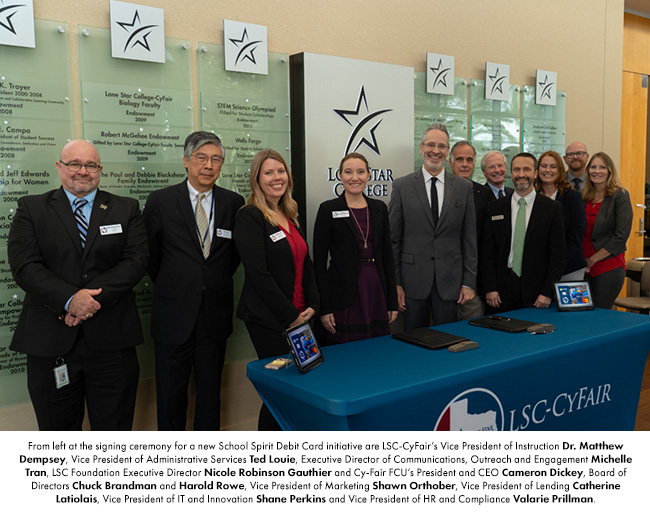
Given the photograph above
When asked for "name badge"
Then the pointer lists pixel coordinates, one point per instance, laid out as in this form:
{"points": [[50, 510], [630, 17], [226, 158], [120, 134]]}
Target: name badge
{"points": [[498, 217], [222, 232], [340, 214], [277, 236], [107, 230]]}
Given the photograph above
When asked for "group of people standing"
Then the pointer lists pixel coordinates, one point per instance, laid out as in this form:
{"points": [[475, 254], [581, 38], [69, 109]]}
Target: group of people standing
{"points": [[443, 249]]}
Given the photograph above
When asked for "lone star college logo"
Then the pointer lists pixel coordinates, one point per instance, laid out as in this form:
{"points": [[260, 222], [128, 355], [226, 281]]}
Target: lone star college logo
{"points": [[546, 87], [497, 82], [365, 127], [139, 35], [440, 75], [6, 13], [245, 51]]}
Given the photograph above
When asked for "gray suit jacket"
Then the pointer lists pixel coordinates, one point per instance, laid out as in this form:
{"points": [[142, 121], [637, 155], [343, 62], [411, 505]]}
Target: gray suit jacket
{"points": [[613, 223], [422, 253]]}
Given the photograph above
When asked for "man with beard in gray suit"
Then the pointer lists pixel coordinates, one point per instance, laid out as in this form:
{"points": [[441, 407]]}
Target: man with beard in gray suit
{"points": [[433, 233]]}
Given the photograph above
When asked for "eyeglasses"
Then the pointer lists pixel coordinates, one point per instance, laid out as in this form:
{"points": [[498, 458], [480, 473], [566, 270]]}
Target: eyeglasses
{"points": [[76, 166], [571, 155], [434, 146], [201, 158]]}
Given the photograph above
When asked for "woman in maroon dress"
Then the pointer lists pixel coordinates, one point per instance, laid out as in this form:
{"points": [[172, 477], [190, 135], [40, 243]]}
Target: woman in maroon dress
{"points": [[358, 296]]}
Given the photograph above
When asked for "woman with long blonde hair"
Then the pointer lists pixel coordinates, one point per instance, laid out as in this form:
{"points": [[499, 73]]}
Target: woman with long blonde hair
{"points": [[279, 286], [609, 221]]}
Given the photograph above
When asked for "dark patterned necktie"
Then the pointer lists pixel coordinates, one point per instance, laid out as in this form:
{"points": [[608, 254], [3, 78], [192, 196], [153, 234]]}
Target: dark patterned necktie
{"points": [[82, 222]]}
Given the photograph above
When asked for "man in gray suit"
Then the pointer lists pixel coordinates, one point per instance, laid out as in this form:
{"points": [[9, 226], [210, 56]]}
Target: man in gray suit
{"points": [[433, 232]]}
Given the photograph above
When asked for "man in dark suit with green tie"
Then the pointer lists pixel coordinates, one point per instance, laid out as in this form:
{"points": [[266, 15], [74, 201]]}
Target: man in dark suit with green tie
{"points": [[192, 262]]}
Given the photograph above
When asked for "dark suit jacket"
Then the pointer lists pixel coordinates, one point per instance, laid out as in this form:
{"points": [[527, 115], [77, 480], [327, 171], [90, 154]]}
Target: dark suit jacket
{"points": [[613, 223], [575, 224], [49, 264], [270, 273], [481, 199], [182, 277], [337, 237], [423, 253], [543, 259], [491, 195]]}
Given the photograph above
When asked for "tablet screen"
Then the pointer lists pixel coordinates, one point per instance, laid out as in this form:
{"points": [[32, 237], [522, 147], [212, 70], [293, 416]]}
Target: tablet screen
{"points": [[573, 296], [304, 347]]}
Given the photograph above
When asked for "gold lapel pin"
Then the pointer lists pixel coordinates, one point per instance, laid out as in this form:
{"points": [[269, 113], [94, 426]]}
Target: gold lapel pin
{"points": [[102, 206]]}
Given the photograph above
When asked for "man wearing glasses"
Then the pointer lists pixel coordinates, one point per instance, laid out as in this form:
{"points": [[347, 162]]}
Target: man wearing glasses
{"points": [[433, 232], [77, 252], [192, 262], [576, 158]]}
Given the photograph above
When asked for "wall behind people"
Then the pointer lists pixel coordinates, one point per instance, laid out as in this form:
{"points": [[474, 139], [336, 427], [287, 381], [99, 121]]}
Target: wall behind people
{"points": [[587, 54], [579, 39]]}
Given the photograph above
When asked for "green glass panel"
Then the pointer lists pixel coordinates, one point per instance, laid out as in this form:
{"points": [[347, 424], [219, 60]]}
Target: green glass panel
{"points": [[538, 132], [97, 65], [487, 128], [136, 105], [479, 105], [240, 153], [248, 112], [213, 77], [456, 124], [425, 102], [138, 145], [531, 110], [35, 109], [236, 112], [539, 149]]}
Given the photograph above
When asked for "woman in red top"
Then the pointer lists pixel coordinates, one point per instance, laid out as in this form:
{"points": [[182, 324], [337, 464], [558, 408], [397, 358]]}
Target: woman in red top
{"points": [[609, 221], [279, 286]]}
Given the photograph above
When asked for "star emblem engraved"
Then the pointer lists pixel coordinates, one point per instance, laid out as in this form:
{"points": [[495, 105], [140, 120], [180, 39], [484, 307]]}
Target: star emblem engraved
{"points": [[246, 48], [139, 34], [366, 125], [546, 88], [497, 82], [440, 75], [6, 13]]}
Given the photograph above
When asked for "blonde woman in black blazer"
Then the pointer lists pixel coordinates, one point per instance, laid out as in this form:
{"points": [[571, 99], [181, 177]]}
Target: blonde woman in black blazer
{"points": [[609, 222], [275, 256], [358, 296]]}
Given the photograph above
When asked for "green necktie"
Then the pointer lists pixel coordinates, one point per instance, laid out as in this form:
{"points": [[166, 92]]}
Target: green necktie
{"points": [[520, 236]]}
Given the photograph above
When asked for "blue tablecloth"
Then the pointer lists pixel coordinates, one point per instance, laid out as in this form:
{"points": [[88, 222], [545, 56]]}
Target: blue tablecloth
{"points": [[584, 376]]}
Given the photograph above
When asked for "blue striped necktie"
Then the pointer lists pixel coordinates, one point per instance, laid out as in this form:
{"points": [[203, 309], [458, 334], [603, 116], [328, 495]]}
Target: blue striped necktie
{"points": [[82, 223]]}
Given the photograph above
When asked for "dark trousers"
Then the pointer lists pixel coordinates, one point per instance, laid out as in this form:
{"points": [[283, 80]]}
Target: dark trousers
{"points": [[104, 382], [432, 310], [606, 287], [267, 343], [174, 364], [510, 293]]}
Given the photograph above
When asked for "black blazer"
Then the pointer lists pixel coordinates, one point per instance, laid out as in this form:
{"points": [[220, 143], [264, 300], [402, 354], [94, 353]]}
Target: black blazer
{"points": [[338, 238], [49, 264], [490, 193], [182, 277], [270, 273], [543, 259], [575, 224]]}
